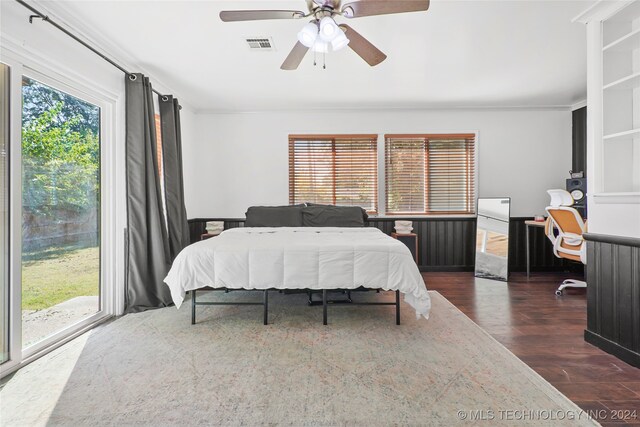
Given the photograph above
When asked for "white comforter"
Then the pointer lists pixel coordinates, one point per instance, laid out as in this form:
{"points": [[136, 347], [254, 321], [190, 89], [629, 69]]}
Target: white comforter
{"points": [[299, 258]]}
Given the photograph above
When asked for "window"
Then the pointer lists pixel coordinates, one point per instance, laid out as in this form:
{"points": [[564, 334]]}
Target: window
{"points": [[4, 213], [160, 160], [158, 124], [334, 169], [60, 210], [430, 174]]}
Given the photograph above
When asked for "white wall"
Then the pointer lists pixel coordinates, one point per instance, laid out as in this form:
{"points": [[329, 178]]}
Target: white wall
{"points": [[241, 159]]}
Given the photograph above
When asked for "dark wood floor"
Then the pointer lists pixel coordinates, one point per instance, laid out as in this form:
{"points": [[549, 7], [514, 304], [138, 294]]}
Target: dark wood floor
{"points": [[546, 332]]}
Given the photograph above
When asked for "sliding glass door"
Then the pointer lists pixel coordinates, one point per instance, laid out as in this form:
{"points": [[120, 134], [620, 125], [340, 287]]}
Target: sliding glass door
{"points": [[4, 213], [61, 264], [60, 210]]}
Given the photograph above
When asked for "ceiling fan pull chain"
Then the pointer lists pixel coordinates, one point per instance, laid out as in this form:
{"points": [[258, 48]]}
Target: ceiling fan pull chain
{"points": [[324, 61], [314, 58]]}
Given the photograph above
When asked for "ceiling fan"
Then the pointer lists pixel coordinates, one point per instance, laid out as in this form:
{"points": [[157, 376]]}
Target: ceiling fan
{"points": [[322, 33]]}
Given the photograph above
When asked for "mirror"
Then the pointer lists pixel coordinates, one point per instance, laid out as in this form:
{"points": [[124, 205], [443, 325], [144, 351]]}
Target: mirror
{"points": [[492, 238]]}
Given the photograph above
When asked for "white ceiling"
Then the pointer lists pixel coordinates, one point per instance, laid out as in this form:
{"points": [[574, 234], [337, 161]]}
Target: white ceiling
{"points": [[516, 53]]}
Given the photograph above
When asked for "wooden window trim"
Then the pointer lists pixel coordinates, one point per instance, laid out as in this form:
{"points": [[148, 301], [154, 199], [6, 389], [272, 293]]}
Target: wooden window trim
{"points": [[315, 137], [430, 136]]}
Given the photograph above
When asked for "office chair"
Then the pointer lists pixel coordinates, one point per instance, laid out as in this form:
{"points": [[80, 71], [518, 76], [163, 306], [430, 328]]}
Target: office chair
{"points": [[564, 227]]}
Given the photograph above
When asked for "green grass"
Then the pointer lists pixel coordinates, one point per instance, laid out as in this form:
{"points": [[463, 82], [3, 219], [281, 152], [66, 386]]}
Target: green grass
{"points": [[59, 276]]}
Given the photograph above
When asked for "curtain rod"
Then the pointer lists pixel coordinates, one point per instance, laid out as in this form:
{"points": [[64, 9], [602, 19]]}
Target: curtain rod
{"points": [[45, 18]]}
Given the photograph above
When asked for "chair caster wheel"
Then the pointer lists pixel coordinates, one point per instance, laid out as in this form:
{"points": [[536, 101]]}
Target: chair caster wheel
{"points": [[559, 293]]}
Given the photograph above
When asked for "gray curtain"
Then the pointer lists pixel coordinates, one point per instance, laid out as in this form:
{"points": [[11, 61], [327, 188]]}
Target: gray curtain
{"points": [[173, 181], [148, 252]]}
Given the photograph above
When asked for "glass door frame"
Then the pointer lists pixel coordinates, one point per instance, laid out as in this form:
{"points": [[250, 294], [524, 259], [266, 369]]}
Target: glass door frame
{"points": [[4, 289], [52, 75]]}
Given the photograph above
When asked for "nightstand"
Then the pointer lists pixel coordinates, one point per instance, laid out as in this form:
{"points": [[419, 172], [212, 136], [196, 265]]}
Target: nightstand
{"points": [[206, 236], [411, 240]]}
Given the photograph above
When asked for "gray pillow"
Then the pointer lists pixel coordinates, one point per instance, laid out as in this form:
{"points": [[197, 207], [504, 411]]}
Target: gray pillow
{"points": [[332, 216], [365, 215], [274, 216]]}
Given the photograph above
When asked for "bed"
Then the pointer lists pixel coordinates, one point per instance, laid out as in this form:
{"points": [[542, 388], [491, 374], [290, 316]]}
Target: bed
{"points": [[306, 258]]}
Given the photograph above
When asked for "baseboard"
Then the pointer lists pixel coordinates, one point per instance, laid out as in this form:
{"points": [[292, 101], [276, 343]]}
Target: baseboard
{"points": [[445, 268], [629, 356], [569, 269]]}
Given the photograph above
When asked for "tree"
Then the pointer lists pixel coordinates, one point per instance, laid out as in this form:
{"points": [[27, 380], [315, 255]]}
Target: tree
{"points": [[60, 151], [39, 98]]}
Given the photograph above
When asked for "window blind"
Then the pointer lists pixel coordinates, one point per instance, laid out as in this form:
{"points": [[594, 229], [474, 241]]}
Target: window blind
{"points": [[430, 174], [339, 170]]}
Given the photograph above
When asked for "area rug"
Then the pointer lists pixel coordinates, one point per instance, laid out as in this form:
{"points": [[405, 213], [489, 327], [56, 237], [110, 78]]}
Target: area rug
{"points": [[155, 368]]}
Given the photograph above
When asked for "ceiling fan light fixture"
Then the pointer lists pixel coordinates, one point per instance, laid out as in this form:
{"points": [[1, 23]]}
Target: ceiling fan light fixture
{"points": [[328, 29], [339, 42], [308, 34], [320, 46]]}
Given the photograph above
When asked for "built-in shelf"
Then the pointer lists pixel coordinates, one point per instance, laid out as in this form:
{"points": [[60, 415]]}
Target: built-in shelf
{"points": [[628, 42], [617, 198], [630, 12], [619, 194], [617, 105], [628, 82], [622, 135]]}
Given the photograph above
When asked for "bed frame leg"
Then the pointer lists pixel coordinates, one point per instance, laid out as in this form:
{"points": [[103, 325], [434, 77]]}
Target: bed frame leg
{"points": [[193, 307], [397, 307], [324, 306], [265, 303]]}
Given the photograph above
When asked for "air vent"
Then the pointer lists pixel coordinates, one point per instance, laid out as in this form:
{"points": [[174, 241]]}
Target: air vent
{"points": [[260, 43]]}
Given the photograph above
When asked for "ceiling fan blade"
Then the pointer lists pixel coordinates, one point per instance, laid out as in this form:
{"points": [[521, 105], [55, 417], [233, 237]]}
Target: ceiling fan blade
{"points": [[363, 47], [257, 15], [357, 9], [295, 57], [335, 4]]}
